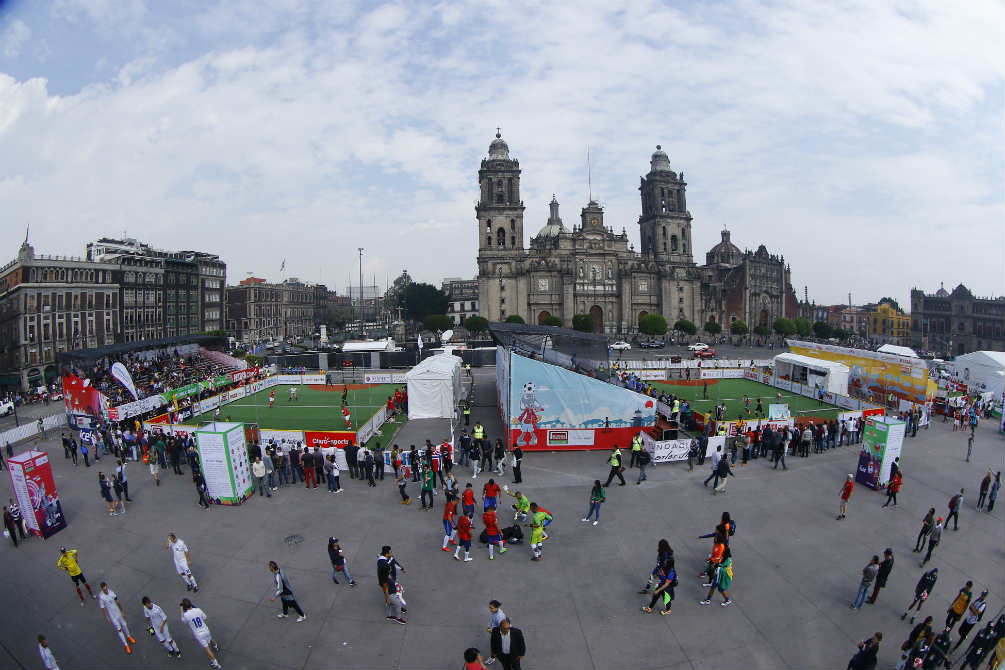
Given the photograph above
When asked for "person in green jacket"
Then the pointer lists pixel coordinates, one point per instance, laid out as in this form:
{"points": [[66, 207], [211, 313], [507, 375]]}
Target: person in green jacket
{"points": [[521, 507], [428, 483], [597, 497], [724, 579]]}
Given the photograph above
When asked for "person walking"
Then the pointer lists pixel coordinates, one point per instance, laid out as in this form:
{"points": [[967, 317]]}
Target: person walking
{"points": [[643, 459], [449, 527], [378, 462], [10, 526], [464, 529], [885, 568], [339, 562], [960, 604], [954, 510], [109, 604], [179, 552], [933, 540], [922, 590], [15, 512], [154, 465], [664, 576], [105, 490], [597, 498], [196, 620], [499, 453], [983, 643], [486, 453], [68, 562], [517, 459], [284, 593], [985, 487], [119, 489], [508, 645], [869, 573], [993, 493], [892, 488], [865, 657], [120, 473], [927, 524], [157, 626], [846, 491], [722, 579], [616, 468], [48, 659], [428, 483], [716, 457], [200, 487], [636, 449], [368, 465], [975, 612], [258, 470], [492, 533], [723, 470], [401, 479], [389, 586], [538, 517]]}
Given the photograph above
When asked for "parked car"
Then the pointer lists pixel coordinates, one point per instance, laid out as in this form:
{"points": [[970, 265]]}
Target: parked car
{"points": [[707, 352], [621, 345], [653, 344], [697, 346], [6, 407]]}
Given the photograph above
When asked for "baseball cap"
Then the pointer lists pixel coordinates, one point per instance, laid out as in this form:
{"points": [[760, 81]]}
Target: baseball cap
{"points": [[940, 520]]}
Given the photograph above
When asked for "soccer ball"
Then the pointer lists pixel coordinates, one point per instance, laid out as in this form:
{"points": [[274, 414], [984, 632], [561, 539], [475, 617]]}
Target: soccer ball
{"points": [[528, 387]]}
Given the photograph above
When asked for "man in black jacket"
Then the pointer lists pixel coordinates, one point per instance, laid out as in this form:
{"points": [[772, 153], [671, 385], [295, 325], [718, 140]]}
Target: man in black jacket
{"points": [[507, 645], [350, 458], [885, 568]]}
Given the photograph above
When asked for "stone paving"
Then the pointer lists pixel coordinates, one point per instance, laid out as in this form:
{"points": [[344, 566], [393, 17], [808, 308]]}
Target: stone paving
{"points": [[796, 568]]}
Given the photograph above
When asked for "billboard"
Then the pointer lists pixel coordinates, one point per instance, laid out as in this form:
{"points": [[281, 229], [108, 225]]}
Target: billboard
{"points": [[329, 438], [35, 492], [224, 459], [550, 407], [882, 440]]}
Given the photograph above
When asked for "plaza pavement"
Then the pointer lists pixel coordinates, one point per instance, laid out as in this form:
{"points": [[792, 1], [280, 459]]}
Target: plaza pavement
{"points": [[796, 568]]}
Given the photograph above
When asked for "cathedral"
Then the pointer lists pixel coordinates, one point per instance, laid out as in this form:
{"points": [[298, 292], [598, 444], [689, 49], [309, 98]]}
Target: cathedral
{"points": [[592, 270]]}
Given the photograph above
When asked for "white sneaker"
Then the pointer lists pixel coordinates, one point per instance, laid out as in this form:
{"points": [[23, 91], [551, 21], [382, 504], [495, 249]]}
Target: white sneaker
{"points": [[281, 616], [595, 523], [468, 559], [584, 520], [301, 618]]}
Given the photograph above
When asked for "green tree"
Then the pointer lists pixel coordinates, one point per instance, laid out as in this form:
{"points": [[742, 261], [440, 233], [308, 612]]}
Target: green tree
{"points": [[784, 326], [841, 334], [476, 324], [421, 300], [685, 326], [394, 297], [803, 326], [338, 316], [515, 318], [823, 330], [653, 324], [762, 331], [891, 302], [712, 327], [739, 327], [437, 322], [551, 321], [583, 323]]}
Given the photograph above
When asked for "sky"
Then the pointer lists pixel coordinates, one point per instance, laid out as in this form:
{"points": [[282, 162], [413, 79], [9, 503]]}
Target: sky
{"points": [[861, 140]]}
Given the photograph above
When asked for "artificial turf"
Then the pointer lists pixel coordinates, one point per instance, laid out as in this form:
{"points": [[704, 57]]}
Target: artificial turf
{"points": [[732, 391], [314, 409]]}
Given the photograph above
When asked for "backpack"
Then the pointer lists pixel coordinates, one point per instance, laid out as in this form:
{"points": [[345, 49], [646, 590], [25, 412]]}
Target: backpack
{"points": [[732, 528]]}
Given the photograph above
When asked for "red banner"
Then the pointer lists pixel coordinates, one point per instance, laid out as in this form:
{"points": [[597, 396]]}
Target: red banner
{"points": [[329, 438], [81, 397], [242, 375]]}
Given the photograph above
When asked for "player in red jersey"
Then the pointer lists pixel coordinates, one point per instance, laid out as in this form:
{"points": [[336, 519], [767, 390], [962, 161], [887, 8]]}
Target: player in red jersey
{"points": [[272, 397], [490, 495], [463, 539], [345, 415], [492, 530], [448, 520], [468, 501]]}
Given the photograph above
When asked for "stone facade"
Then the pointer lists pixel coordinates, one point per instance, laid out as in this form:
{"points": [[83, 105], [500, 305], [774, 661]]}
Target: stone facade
{"points": [[956, 323], [593, 270]]}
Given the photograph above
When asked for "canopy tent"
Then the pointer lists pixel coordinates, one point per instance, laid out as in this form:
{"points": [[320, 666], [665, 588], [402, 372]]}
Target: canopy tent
{"points": [[981, 371], [434, 387], [897, 350], [832, 377]]}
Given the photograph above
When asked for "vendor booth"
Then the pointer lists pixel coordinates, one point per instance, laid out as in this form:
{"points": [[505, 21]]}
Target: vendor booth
{"points": [[434, 387], [827, 375]]}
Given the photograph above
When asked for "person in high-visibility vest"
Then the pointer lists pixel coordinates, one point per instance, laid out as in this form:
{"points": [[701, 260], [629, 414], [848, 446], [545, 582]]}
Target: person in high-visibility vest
{"points": [[636, 450], [466, 410], [479, 433]]}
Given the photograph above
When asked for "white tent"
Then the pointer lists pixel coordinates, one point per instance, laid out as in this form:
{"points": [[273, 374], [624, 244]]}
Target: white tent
{"points": [[897, 350], [434, 387], [832, 377], [981, 371]]}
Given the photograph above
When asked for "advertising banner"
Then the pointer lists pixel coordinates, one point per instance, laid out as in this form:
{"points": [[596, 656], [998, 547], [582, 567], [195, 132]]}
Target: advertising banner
{"points": [[778, 411], [295, 380], [384, 378], [545, 398], [502, 383], [224, 459], [264, 435], [666, 451], [714, 442], [651, 375], [367, 430], [35, 492], [82, 398], [570, 438], [882, 440], [329, 438], [135, 408], [727, 373], [242, 375]]}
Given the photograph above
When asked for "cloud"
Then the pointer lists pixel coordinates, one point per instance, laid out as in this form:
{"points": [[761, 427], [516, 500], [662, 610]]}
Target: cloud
{"points": [[14, 36], [305, 130]]}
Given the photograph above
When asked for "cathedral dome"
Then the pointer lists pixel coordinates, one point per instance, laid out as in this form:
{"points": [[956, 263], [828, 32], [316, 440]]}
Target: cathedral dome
{"points": [[554, 225], [942, 292], [499, 150], [724, 253], [659, 162]]}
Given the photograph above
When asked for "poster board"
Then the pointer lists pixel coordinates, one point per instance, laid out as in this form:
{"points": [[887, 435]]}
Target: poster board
{"points": [[35, 492], [882, 442], [224, 460]]}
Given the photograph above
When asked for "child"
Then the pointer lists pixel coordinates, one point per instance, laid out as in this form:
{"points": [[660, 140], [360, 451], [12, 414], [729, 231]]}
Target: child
{"points": [[473, 659]]}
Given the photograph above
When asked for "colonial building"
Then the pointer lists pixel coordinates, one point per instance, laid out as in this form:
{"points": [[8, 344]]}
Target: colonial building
{"points": [[463, 298], [956, 323], [889, 325], [593, 270], [258, 311]]}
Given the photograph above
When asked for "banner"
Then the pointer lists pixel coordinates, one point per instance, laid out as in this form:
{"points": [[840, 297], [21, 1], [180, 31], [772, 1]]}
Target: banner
{"points": [[544, 398], [651, 375], [384, 378], [119, 371], [135, 408], [666, 451], [242, 375], [80, 397], [367, 430], [265, 434], [722, 374], [882, 440], [35, 492], [329, 438], [778, 411], [224, 458], [715, 441], [295, 380]]}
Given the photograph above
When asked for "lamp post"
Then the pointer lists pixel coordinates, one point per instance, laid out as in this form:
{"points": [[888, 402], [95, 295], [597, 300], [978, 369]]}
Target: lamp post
{"points": [[360, 291]]}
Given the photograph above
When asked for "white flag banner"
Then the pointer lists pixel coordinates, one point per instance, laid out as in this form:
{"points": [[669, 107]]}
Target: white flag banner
{"points": [[420, 343], [120, 372]]}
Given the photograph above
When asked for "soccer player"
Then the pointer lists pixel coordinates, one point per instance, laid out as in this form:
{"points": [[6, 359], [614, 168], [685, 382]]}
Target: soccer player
{"points": [[68, 561], [449, 527], [468, 501], [345, 415], [490, 495], [196, 620], [548, 518], [463, 538], [109, 602], [492, 531], [272, 397], [521, 507], [293, 393], [179, 550], [157, 626], [345, 394], [47, 658], [537, 531]]}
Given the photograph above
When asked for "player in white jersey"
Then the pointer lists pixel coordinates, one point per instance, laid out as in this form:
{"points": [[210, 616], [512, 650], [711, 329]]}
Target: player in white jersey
{"points": [[47, 658], [179, 550], [196, 620], [157, 626], [293, 393], [109, 604]]}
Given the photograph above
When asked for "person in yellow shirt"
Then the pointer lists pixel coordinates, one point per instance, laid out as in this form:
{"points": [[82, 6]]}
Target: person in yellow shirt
{"points": [[68, 561]]}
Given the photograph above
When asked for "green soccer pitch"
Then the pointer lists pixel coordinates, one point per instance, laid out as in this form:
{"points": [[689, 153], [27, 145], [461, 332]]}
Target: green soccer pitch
{"points": [[314, 409], [732, 391]]}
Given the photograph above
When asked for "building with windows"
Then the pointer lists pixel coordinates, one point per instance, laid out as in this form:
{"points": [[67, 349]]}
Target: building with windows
{"points": [[593, 270], [889, 325], [463, 298], [956, 323], [259, 312]]}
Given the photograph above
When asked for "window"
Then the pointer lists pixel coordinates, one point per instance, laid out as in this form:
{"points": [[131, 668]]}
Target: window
{"points": [[501, 237], [512, 240], [512, 224], [673, 243]]}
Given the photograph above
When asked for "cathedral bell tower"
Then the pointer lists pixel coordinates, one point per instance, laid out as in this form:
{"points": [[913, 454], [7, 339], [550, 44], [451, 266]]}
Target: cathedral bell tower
{"points": [[665, 224]]}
